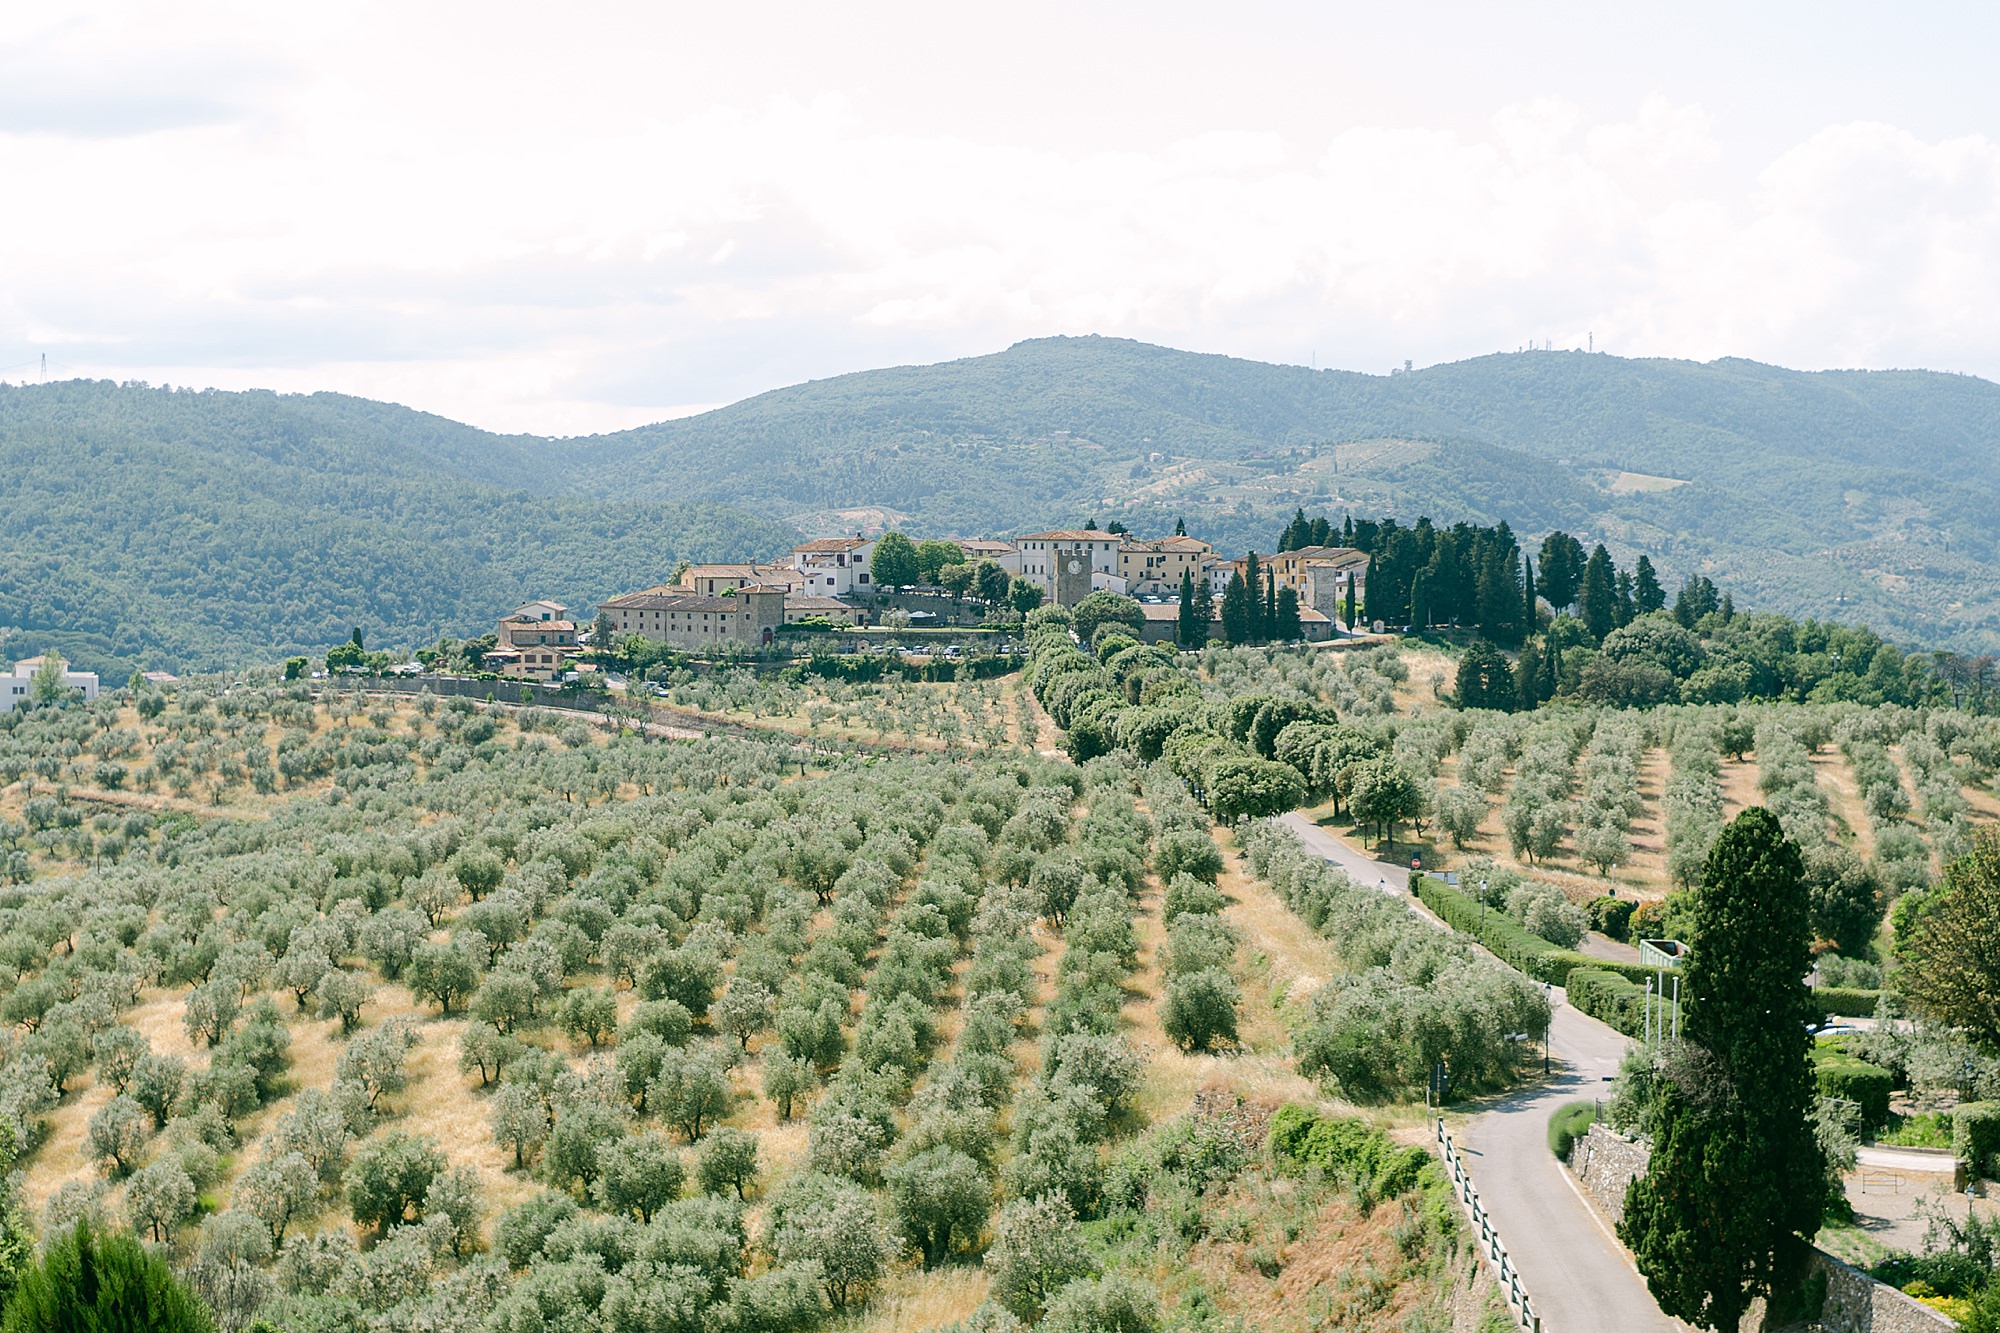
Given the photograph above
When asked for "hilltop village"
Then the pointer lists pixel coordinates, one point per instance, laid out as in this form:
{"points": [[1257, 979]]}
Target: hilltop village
{"points": [[1178, 583]]}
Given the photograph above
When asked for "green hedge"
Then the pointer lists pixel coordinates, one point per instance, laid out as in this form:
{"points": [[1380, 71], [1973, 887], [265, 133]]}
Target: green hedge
{"points": [[1609, 998], [1842, 1075], [1975, 1135], [1847, 1001], [1513, 943]]}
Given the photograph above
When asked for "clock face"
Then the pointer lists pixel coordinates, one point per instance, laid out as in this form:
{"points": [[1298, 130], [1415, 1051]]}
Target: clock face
{"points": [[1076, 567]]}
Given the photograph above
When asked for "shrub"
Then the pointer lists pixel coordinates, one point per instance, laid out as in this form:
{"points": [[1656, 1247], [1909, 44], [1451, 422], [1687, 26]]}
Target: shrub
{"points": [[91, 1281], [1348, 1150], [1186, 852], [1568, 1124], [1850, 1079], [1612, 917], [1975, 1135]]}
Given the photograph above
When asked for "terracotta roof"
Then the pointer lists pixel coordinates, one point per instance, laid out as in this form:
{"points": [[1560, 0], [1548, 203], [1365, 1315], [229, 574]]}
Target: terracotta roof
{"points": [[982, 544], [829, 545], [720, 572], [1194, 544], [671, 599], [553, 626], [798, 602], [1073, 535], [1332, 555]]}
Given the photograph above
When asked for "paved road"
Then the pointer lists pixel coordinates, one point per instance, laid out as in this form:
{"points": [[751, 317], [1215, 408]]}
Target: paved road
{"points": [[1576, 1273]]}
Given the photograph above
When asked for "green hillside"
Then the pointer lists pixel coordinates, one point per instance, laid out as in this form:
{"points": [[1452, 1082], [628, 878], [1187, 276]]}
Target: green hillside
{"points": [[187, 530], [1856, 494], [182, 530]]}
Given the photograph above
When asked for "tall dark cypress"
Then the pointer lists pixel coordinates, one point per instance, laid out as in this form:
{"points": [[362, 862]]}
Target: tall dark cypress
{"points": [[1533, 616], [1736, 1184], [1184, 629]]}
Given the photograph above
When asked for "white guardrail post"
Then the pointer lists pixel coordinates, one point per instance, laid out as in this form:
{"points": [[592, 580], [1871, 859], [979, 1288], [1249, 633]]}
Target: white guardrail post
{"points": [[1490, 1244]]}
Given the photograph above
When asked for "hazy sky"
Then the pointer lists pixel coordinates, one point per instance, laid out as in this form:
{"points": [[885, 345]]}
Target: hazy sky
{"points": [[569, 218]]}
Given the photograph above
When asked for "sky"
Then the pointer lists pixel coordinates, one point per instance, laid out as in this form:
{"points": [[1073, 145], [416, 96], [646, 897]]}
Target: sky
{"points": [[571, 219]]}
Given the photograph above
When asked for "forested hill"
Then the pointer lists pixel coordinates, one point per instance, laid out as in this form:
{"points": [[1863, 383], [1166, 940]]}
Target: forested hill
{"points": [[143, 527], [181, 530], [1864, 495]]}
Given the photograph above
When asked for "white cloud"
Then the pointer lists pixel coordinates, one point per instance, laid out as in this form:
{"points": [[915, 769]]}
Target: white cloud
{"points": [[577, 230]]}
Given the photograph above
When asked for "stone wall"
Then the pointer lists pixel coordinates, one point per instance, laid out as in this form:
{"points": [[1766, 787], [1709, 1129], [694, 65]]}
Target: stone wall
{"points": [[1604, 1163]]}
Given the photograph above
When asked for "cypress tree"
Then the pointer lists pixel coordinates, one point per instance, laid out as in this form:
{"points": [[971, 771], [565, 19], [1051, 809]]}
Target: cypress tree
{"points": [[1420, 611], [1184, 629], [1484, 680], [1622, 600], [1238, 613], [1734, 1190], [1204, 609], [1253, 606], [1534, 616], [1180, 527], [1647, 594], [1597, 598], [1350, 600], [1322, 532], [1285, 624], [1269, 628], [1528, 677]]}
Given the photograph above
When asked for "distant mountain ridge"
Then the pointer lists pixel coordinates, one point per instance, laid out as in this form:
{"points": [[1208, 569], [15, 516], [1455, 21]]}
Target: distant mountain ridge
{"points": [[201, 529]]}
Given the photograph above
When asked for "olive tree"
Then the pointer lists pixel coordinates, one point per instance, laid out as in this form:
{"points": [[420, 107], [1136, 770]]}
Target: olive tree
{"points": [[941, 1197]]}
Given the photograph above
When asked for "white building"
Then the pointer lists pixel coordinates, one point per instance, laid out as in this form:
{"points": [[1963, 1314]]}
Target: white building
{"points": [[1004, 554], [19, 688], [1066, 563], [834, 566]]}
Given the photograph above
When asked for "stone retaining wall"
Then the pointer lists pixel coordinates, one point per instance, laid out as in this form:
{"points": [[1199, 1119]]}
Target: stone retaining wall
{"points": [[1604, 1163]]}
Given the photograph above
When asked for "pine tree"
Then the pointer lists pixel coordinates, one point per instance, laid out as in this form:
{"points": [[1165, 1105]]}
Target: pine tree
{"points": [[1185, 630], [1622, 606], [1734, 1189], [1647, 594], [1562, 566], [1322, 532]]}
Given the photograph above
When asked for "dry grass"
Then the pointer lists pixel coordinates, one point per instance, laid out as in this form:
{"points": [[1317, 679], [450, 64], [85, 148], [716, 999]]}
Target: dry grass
{"points": [[913, 1300], [1739, 785], [1850, 818]]}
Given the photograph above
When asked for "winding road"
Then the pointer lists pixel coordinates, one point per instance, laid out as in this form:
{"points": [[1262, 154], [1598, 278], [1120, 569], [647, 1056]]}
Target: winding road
{"points": [[1578, 1276]]}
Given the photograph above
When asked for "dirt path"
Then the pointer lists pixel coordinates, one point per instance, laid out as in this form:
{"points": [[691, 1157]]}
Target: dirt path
{"points": [[1739, 786], [1851, 824], [1648, 866]]}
